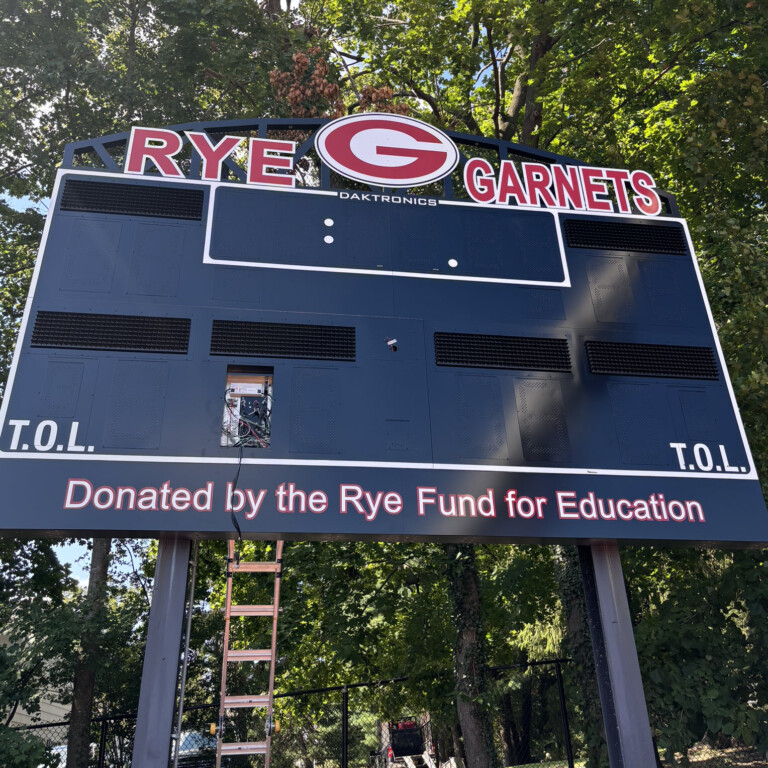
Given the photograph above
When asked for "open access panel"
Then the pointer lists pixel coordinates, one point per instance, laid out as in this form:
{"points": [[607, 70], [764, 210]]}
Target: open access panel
{"points": [[377, 363]]}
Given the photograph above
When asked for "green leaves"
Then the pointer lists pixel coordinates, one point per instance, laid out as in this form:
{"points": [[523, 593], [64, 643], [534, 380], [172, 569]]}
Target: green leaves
{"points": [[699, 643], [19, 237], [679, 91], [37, 625], [20, 750]]}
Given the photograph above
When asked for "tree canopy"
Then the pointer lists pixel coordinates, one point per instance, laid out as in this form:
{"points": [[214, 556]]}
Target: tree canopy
{"points": [[676, 89]]}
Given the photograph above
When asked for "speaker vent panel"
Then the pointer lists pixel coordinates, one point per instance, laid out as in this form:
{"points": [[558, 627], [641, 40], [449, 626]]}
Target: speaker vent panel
{"points": [[658, 360], [473, 350], [132, 199], [624, 236], [310, 342], [131, 333]]}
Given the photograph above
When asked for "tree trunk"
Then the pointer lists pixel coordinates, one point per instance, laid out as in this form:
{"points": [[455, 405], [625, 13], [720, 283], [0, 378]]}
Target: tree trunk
{"points": [[540, 46], [458, 745], [526, 721], [508, 124], [568, 574], [469, 657], [79, 737], [506, 730]]}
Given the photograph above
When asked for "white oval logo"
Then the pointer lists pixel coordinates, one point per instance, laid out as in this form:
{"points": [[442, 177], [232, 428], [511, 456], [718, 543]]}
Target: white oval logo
{"points": [[386, 150]]}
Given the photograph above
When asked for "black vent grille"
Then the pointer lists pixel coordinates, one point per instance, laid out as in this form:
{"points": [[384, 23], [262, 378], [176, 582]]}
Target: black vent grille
{"points": [[660, 360], [620, 236], [132, 199], [474, 350], [131, 333], [313, 342]]}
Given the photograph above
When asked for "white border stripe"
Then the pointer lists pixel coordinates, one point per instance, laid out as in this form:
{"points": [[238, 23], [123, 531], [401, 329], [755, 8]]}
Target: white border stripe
{"points": [[373, 465], [208, 259], [750, 475]]}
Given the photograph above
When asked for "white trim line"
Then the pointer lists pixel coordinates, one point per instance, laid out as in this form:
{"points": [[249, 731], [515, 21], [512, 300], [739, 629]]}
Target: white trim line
{"points": [[208, 259], [373, 465]]}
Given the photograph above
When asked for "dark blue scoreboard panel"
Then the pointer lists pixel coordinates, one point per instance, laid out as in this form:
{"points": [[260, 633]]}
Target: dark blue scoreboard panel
{"points": [[323, 230], [378, 366]]}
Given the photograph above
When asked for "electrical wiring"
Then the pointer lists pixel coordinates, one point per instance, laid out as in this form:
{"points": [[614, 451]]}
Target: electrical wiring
{"points": [[249, 430]]}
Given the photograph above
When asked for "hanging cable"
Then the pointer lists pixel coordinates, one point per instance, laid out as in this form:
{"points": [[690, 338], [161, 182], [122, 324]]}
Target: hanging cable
{"points": [[232, 505]]}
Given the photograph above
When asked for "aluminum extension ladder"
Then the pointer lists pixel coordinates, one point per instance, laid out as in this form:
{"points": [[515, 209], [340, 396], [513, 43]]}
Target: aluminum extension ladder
{"points": [[232, 656]]}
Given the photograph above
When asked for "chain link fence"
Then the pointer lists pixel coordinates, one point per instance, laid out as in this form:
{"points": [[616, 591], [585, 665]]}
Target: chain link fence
{"points": [[707, 754], [366, 725]]}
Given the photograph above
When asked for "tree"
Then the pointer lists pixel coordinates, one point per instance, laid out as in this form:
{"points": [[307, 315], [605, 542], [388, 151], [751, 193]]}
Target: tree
{"points": [[698, 643], [370, 611], [470, 662], [677, 90], [20, 234], [37, 628], [71, 69], [89, 657]]}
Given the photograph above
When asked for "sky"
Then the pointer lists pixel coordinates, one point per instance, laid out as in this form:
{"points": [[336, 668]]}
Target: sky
{"points": [[77, 557], [22, 203]]}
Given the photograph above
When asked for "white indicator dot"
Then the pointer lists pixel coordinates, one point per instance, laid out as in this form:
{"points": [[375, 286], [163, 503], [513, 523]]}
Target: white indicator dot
{"points": [[690, 466], [59, 447], [718, 468], [743, 469], [453, 263], [328, 222], [90, 449], [25, 447], [328, 239]]}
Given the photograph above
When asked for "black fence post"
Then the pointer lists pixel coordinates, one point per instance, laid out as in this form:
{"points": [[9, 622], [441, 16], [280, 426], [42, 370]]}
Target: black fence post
{"points": [[344, 725], [564, 715], [103, 744]]}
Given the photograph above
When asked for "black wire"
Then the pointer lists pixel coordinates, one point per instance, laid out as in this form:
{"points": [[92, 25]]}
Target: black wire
{"points": [[232, 503], [266, 428]]}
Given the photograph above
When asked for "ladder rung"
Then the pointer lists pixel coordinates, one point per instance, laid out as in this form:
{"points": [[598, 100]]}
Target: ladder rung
{"points": [[232, 702], [245, 748], [252, 610], [256, 567], [249, 655]]}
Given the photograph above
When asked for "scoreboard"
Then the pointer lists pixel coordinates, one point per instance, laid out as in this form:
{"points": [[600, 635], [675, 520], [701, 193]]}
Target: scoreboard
{"points": [[333, 356]]}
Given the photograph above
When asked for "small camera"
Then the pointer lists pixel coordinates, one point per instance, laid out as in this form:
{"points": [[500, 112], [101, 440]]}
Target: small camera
{"points": [[392, 344]]}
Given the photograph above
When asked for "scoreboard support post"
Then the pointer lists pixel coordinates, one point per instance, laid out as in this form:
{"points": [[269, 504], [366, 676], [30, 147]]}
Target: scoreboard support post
{"points": [[625, 715], [157, 698]]}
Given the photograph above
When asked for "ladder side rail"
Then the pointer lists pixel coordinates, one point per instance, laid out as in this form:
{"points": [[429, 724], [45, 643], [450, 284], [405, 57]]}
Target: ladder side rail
{"points": [[271, 705]]}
